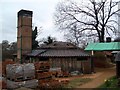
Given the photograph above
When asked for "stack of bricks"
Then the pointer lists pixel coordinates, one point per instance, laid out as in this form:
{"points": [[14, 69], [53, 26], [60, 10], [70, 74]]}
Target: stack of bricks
{"points": [[42, 70], [21, 75], [3, 64], [3, 84], [44, 76]]}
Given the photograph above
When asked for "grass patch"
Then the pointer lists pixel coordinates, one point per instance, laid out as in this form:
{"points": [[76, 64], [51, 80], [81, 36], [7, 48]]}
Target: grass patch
{"points": [[77, 82], [110, 83]]}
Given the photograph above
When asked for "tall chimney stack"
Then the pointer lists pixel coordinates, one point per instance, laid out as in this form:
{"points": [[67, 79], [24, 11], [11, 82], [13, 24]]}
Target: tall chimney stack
{"points": [[24, 33]]}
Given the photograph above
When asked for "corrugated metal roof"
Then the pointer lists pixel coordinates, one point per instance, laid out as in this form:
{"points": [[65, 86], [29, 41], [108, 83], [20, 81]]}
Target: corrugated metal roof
{"points": [[36, 52], [103, 46], [64, 53], [59, 49]]}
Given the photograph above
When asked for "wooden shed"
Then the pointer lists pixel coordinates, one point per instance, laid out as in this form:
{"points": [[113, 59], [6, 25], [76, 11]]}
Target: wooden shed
{"points": [[64, 55]]}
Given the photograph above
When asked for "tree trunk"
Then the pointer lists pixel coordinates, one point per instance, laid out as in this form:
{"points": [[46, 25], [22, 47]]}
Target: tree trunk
{"points": [[102, 34]]}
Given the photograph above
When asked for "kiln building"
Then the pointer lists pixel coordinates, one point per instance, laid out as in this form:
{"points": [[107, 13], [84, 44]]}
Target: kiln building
{"points": [[60, 54]]}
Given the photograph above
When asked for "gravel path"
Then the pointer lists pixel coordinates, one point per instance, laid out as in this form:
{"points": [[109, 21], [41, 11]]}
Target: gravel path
{"points": [[98, 77]]}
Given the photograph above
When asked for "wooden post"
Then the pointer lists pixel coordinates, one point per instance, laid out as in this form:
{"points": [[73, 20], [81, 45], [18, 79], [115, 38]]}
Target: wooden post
{"points": [[117, 59], [118, 69], [92, 63]]}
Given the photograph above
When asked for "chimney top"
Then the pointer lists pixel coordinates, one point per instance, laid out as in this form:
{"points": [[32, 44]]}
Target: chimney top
{"points": [[25, 13]]}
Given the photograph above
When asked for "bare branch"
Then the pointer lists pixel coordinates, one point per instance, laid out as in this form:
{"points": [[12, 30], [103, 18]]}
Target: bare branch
{"points": [[97, 17]]}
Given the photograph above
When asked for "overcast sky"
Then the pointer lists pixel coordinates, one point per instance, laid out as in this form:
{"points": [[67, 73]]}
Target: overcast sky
{"points": [[42, 17], [43, 12]]}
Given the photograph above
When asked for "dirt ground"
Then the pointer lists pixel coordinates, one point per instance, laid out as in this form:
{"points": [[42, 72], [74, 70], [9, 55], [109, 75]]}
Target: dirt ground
{"points": [[98, 77]]}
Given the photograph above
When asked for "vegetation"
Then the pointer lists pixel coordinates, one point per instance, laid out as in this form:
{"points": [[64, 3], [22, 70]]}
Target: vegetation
{"points": [[49, 40], [77, 82], [110, 83], [8, 49], [34, 36]]}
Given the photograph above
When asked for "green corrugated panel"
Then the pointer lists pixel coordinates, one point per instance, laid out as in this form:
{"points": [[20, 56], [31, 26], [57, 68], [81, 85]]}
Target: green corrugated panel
{"points": [[109, 46], [117, 45], [99, 46], [103, 46], [91, 46]]}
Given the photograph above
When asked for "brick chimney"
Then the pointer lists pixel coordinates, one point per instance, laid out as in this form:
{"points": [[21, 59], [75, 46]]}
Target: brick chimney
{"points": [[24, 33]]}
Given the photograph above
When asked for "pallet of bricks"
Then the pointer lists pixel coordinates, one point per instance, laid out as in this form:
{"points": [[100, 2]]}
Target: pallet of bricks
{"points": [[3, 64], [3, 84], [44, 76], [21, 75]]}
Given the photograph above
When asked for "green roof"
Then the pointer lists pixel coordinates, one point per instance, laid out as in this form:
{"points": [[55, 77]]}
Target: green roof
{"points": [[103, 46]]}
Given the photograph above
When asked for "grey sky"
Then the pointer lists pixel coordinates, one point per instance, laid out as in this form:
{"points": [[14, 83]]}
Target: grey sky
{"points": [[42, 17]]}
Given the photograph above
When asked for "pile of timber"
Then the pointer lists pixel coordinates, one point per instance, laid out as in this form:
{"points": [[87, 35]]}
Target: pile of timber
{"points": [[21, 75]]}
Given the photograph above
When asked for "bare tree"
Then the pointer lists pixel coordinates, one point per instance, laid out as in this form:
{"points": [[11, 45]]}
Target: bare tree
{"points": [[97, 18], [74, 36]]}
